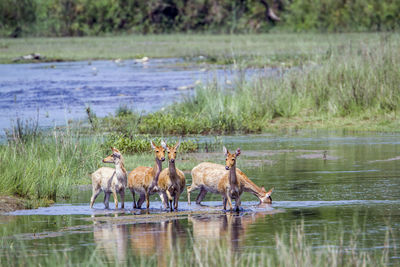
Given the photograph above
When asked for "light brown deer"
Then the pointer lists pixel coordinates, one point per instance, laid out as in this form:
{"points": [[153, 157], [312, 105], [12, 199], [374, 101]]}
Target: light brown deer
{"points": [[110, 180], [211, 177], [143, 180], [172, 181]]}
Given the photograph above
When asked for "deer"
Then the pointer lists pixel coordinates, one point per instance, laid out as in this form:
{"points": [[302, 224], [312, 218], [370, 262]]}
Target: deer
{"points": [[172, 181], [144, 180], [110, 180], [212, 177]]}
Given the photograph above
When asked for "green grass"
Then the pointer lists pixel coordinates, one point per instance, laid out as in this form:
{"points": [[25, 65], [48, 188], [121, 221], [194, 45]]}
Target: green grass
{"points": [[45, 168], [41, 167], [252, 49], [292, 248], [354, 87]]}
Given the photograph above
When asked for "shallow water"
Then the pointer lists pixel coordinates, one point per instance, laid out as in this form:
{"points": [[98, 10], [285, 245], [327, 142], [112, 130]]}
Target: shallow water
{"points": [[62, 91], [353, 191]]}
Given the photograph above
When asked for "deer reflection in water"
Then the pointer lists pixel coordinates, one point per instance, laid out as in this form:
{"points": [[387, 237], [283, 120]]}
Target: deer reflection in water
{"points": [[162, 240], [145, 239], [112, 240], [228, 229]]}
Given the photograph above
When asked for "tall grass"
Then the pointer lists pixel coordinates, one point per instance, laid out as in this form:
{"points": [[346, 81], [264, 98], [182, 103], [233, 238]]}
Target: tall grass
{"points": [[46, 166], [41, 166], [355, 80]]}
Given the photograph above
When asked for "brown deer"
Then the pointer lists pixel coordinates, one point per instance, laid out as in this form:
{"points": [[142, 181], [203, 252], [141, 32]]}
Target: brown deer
{"points": [[110, 180], [211, 177], [172, 181], [143, 180]]}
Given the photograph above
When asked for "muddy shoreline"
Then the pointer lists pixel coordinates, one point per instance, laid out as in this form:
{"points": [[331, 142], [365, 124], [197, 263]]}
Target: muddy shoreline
{"points": [[11, 203]]}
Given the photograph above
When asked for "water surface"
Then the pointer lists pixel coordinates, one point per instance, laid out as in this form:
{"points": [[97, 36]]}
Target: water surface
{"points": [[336, 184], [62, 91]]}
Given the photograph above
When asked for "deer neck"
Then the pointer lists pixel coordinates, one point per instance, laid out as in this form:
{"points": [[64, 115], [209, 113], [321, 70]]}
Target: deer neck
{"points": [[120, 172], [252, 188], [172, 171], [232, 176], [157, 170]]}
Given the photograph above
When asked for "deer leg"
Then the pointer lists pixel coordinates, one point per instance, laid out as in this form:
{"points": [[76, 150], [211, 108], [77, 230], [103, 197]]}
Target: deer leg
{"points": [[147, 200], [96, 192], [237, 203], [201, 196], [164, 200], [115, 199], [224, 199], [176, 199], [229, 201], [106, 199], [170, 199], [122, 194], [140, 201], [133, 196], [188, 189]]}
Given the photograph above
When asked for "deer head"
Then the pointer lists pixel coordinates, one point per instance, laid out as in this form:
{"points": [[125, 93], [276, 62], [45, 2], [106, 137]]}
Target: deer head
{"points": [[230, 160], [159, 150], [172, 151], [115, 157], [266, 198]]}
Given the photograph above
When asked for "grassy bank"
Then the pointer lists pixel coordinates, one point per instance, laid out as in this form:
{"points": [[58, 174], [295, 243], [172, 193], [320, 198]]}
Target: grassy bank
{"points": [[40, 166], [291, 248], [354, 87], [258, 50], [43, 169]]}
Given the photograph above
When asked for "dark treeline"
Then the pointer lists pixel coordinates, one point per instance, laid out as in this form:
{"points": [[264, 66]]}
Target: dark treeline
{"points": [[94, 17]]}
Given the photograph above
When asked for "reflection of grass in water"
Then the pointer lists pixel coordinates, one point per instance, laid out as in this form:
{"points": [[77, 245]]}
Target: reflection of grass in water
{"points": [[288, 249]]}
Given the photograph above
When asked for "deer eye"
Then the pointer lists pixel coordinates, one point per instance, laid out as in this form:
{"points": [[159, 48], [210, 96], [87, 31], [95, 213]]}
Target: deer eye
{"points": [[233, 159], [157, 151]]}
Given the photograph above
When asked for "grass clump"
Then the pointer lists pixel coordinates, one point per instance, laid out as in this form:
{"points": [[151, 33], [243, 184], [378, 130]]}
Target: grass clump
{"points": [[43, 168], [140, 144]]}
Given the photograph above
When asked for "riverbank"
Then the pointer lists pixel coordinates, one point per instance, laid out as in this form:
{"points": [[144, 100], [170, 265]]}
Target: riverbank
{"points": [[345, 81], [245, 49]]}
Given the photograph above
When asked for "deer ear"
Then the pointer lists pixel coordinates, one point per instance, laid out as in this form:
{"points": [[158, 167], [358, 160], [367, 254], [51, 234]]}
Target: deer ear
{"points": [[225, 151], [164, 144], [263, 189], [270, 191], [153, 146], [238, 152]]}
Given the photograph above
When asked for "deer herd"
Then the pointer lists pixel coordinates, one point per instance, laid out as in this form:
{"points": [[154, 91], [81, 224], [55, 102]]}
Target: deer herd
{"points": [[169, 183]]}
